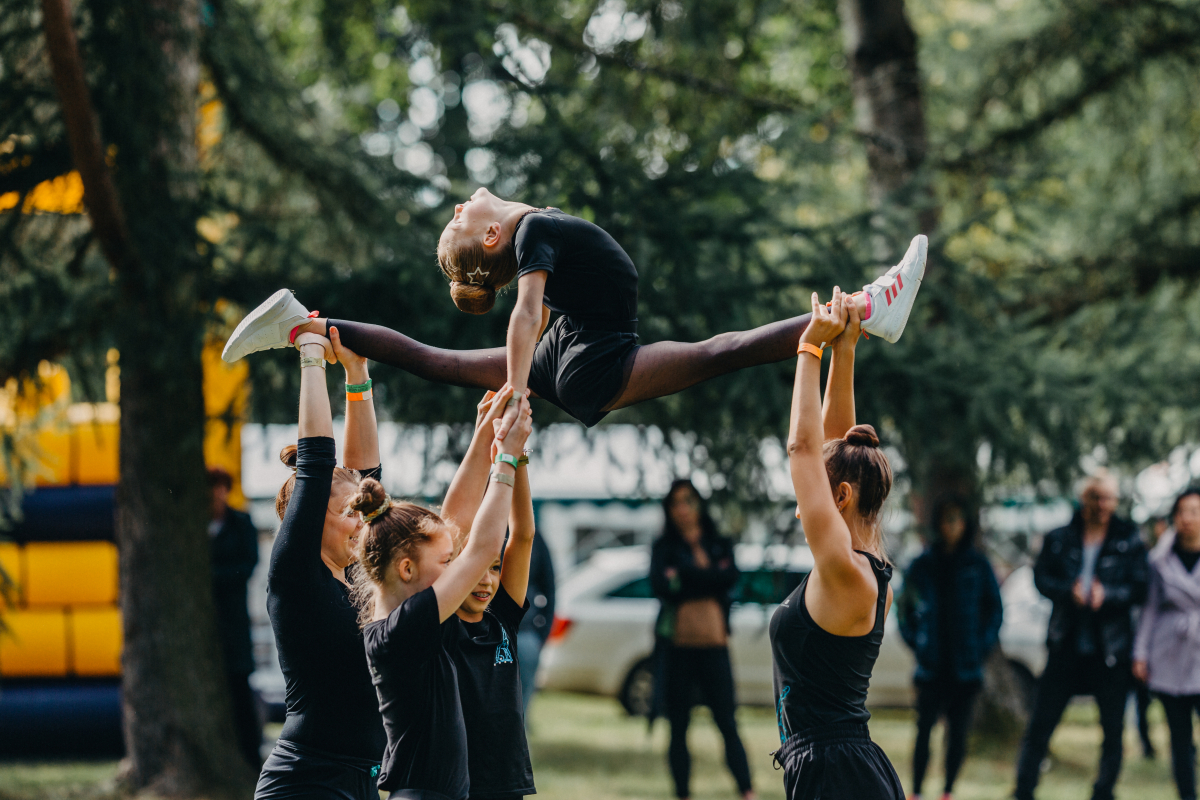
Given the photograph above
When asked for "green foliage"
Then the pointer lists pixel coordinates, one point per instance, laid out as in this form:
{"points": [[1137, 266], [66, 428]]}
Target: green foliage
{"points": [[715, 141]]}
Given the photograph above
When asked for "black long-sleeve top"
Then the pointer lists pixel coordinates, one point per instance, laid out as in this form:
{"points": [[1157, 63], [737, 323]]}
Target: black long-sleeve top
{"points": [[331, 702], [690, 581]]}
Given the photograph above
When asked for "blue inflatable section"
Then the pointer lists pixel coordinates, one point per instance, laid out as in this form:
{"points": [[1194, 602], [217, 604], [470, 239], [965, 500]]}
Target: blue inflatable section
{"points": [[61, 718], [65, 514]]}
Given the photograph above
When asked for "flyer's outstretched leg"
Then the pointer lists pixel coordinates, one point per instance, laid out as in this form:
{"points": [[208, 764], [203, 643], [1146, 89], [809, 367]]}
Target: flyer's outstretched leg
{"points": [[277, 321], [664, 368]]}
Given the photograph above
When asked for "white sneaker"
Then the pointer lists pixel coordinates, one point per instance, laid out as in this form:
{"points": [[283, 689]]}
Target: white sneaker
{"points": [[893, 293], [266, 327]]}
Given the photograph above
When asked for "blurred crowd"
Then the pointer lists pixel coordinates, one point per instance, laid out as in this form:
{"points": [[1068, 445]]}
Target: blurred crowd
{"points": [[1125, 622]]}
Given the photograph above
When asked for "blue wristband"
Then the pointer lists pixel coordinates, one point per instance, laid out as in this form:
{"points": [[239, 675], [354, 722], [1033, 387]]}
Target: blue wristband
{"points": [[505, 458]]}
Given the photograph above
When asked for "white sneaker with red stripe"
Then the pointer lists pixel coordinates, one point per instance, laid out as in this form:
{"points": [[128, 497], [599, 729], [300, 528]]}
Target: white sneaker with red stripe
{"points": [[268, 327], [890, 297]]}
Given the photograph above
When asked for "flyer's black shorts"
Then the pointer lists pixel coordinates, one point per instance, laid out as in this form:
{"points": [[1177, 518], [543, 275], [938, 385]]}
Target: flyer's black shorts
{"points": [[837, 762], [295, 771], [579, 366]]}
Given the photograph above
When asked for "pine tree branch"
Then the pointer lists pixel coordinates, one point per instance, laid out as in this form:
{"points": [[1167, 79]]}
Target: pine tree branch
{"points": [[1171, 32], [83, 132], [260, 102], [760, 98]]}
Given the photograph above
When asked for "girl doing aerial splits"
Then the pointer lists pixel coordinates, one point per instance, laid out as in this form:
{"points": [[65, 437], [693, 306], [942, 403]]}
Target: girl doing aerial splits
{"points": [[825, 636], [589, 362]]}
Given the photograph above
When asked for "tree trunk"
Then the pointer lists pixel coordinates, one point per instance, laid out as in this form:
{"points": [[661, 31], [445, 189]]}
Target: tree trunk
{"points": [[881, 48], [178, 727]]}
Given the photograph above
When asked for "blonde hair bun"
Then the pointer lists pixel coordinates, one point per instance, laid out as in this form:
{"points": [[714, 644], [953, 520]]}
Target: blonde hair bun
{"points": [[369, 498], [472, 298]]}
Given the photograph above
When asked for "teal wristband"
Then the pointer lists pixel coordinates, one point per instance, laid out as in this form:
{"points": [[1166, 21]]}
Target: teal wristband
{"points": [[358, 387], [505, 458]]}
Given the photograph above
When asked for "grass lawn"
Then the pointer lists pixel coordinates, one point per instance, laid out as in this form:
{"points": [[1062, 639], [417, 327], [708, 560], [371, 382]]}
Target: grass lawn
{"points": [[585, 747]]}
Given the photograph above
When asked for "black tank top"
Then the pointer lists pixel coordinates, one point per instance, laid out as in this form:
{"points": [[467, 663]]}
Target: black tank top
{"points": [[822, 679]]}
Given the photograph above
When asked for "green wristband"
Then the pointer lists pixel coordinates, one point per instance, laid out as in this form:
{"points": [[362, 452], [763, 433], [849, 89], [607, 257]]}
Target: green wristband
{"points": [[505, 458], [358, 387]]}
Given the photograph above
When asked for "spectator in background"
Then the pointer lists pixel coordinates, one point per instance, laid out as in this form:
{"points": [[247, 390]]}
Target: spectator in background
{"points": [[949, 612], [535, 627], [692, 572], [1095, 571], [1167, 650], [233, 551]]}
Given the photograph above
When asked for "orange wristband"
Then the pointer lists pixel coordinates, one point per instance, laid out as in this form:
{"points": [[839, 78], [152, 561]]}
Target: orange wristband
{"points": [[805, 347]]}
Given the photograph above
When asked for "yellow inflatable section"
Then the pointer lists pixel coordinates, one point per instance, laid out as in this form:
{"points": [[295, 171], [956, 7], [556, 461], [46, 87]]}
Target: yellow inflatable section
{"points": [[61, 612]]}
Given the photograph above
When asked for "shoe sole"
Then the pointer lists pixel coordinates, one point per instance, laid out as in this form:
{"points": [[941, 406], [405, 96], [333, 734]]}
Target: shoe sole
{"points": [[908, 272], [241, 343]]}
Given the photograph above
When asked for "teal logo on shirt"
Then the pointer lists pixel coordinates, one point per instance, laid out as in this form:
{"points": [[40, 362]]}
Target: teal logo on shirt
{"points": [[779, 712], [503, 651]]}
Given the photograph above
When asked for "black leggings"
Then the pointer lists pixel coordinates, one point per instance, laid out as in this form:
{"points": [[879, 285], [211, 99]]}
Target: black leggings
{"points": [[956, 701], [653, 370], [706, 672], [1179, 710]]}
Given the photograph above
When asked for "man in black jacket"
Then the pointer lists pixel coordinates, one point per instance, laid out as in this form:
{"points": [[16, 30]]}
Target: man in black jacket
{"points": [[1095, 571], [233, 549]]}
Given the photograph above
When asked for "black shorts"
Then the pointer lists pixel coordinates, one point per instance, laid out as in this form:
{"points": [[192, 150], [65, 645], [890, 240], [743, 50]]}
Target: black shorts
{"points": [[837, 762], [580, 366], [294, 771]]}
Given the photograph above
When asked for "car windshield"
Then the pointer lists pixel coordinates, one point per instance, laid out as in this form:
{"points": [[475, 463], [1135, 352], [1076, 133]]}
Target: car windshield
{"points": [[763, 586]]}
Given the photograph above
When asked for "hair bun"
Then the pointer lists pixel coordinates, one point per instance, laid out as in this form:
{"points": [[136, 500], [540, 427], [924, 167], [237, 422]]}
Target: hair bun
{"points": [[288, 456], [370, 496], [473, 298], [863, 436]]}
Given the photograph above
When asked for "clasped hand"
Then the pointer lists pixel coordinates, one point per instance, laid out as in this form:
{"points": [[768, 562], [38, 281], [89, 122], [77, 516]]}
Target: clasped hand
{"points": [[839, 323], [494, 410]]}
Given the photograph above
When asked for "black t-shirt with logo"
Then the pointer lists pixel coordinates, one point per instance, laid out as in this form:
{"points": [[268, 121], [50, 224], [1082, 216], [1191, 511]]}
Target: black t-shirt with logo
{"points": [[489, 684], [414, 675], [590, 275]]}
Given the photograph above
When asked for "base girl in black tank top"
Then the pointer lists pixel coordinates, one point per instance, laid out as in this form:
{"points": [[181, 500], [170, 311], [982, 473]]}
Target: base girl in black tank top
{"points": [[825, 636]]}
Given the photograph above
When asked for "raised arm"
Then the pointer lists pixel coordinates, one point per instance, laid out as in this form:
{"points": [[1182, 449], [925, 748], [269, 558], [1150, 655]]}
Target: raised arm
{"points": [[487, 534], [296, 554], [524, 327], [316, 417], [514, 575], [838, 593], [837, 413], [466, 489], [362, 431]]}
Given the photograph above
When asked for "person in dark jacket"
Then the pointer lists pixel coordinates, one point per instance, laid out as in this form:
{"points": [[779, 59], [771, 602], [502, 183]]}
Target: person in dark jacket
{"points": [[535, 627], [233, 552], [692, 571], [950, 614], [1095, 571]]}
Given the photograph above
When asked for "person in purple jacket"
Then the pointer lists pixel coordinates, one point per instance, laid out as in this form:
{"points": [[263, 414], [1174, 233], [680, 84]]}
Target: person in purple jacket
{"points": [[1166, 653]]}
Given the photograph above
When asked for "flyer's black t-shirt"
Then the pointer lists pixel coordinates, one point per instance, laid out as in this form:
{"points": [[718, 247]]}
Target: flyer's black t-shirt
{"points": [[489, 683], [414, 676], [590, 276]]}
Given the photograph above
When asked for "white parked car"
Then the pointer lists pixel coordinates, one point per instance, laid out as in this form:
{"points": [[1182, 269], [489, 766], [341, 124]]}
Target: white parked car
{"points": [[603, 633]]}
